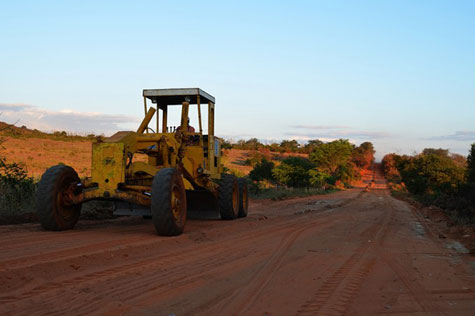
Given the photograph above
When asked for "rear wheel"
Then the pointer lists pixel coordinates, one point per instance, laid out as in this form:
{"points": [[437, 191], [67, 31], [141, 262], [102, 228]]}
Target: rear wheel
{"points": [[228, 197], [168, 202], [53, 205], [243, 197]]}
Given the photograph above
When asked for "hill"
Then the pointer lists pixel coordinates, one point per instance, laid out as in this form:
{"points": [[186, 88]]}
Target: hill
{"points": [[38, 150]]}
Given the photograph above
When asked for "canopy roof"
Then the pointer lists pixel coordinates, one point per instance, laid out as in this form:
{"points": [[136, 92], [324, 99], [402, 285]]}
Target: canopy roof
{"points": [[177, 96]]}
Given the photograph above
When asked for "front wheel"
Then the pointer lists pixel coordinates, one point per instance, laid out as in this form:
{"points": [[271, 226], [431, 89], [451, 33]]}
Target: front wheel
{"points": [[53, 205], [168, 202]]}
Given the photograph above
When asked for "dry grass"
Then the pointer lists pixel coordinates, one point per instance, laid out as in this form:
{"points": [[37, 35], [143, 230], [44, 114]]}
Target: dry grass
{"points": [[234, 159], [38, 154]]}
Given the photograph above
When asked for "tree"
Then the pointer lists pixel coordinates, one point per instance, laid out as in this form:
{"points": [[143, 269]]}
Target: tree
{"points": [[433, 151], [274, 147], [226, 144], [347, 173], [262, 171], [471, 165], [252, 144], [330, 156], [430, 174], [318, 178], [294, 172], [363, 156], [389, 167], [290, 145], [459, 160], [311, 145]]}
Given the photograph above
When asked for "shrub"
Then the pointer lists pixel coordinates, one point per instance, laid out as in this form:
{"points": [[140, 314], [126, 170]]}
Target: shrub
{"points": [[254, 158], [225, 144], [290, 145], [312, 145], [328, 157], [251, 144], [363, 156], [432, 174], [389, 167], [294, 172], [347, 173], [17, 190], [318, 179], [437, 177], [262, 171]]}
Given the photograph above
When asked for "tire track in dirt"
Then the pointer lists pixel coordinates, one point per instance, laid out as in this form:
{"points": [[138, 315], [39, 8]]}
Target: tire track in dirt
{"points": [[269, 267], [164, 278], [43, 297], [159, 260], [90, 249], [36, 234], [51, 241], [165, 268], [60, 239], [421, 297], [118, 244], [243, 299], [94, 248], [336, 293], [239, 302], [169, 280]]}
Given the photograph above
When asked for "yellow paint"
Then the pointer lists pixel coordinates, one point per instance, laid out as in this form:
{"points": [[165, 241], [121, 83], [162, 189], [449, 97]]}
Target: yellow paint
{"points": [[108, 165], [112, 167]]}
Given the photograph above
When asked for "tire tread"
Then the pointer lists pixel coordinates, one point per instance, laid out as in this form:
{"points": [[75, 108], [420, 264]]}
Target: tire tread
{"points": [[45, 198], [225, 197], [163, 220]]}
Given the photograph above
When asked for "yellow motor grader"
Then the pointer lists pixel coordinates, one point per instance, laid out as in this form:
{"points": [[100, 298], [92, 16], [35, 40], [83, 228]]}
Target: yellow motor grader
{"points": [[182, 170]]}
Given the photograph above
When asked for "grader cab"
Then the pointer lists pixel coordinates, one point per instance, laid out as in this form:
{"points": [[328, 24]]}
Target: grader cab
{"points": [[164, 171]]}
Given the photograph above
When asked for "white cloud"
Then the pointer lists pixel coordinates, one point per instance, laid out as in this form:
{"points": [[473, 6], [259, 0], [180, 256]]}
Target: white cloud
{"points": [[326, 133], [458, 136], [66, 120], [319, 126]]}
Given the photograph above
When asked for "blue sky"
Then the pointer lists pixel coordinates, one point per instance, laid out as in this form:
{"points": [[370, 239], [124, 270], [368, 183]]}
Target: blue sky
{"points": [[400, 74]]}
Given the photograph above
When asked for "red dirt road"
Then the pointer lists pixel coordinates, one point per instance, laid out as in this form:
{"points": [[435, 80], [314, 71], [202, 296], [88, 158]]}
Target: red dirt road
{"points": [[352, 252]]}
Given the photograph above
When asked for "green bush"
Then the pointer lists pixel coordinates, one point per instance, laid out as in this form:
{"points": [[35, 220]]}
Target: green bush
{"points": [[254, 158], [262, 171], [431, 174], [294, 172], [347, 173], [17, 190], [436, 177], [341, 161], [318, 179], [290, 145], [328, 157]]}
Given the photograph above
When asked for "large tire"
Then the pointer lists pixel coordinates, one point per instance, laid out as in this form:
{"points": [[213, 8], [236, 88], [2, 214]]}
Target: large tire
{"points": [[52, 210], [168, 202], [243, 197], [228, 197]]}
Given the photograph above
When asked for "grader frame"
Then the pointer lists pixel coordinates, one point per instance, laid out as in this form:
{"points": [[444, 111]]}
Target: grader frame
{"points": [[180, 163]]}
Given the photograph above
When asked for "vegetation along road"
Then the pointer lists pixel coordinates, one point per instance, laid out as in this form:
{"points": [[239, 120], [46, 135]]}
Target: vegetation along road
{"points": [[354, 252]]}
